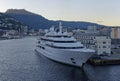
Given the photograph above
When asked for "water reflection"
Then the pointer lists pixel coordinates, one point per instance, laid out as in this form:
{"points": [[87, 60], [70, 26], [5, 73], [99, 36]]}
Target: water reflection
{"points": [[103, 73]]}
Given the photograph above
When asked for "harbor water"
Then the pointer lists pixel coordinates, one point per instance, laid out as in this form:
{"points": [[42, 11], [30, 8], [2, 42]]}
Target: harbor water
{"points": [[20, 62]]}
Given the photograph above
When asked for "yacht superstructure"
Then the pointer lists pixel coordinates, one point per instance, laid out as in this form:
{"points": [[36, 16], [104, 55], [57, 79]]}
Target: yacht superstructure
{"points": [[62, 47]]}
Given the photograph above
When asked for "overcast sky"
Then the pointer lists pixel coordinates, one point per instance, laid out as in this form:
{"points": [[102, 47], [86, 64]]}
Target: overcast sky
{"points": [[105, 12]]}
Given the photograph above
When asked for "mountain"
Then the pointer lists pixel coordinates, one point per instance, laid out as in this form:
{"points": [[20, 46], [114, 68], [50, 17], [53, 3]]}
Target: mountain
{"points": [[28, 18], [36, 21]]}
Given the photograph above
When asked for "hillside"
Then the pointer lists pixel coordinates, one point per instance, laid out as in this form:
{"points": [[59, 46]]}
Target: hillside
{"points": [[37, 21], [7, 22]]}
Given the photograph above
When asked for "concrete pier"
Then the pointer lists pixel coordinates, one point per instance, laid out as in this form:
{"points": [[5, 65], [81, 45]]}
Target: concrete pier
{"points": [[105, 60]]}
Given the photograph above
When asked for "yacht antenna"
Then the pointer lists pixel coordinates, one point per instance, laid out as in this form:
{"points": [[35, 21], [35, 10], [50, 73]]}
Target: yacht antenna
{"points": [[66, 30], [60, 27]]}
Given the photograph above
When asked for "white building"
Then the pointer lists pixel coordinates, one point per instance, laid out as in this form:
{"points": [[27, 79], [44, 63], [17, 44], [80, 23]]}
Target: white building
{"points": [[12, 32], [41, 32], [25, 30], [102, 44]]}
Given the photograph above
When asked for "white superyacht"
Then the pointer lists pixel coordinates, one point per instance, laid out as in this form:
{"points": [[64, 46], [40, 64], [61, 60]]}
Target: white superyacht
{"points": [[62, 47]]}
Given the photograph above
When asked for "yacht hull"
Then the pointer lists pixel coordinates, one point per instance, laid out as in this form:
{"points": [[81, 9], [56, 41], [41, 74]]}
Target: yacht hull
{"points": [[74, 58]]}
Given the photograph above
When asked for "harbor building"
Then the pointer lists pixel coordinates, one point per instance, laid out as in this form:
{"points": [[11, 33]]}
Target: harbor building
{"points": [[94, 40], [41, 32], [92, 29], [115, 36], [102, 44]]}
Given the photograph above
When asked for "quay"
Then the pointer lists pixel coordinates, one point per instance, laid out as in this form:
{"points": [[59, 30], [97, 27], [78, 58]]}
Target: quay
{"points": [[113, 59]]}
